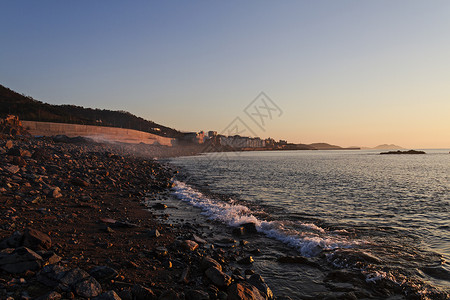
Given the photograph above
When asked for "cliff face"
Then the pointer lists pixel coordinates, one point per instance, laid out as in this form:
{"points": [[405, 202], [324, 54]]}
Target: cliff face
{"points": [[27, 108]]}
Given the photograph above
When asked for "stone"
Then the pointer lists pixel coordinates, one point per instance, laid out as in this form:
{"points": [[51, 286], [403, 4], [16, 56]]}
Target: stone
{"points": [[71, 278], [142, 293], [13, 241], [238, 231], [9, 144], [20, 260], [109, 295], [56, 193], [36, 240], [184, 276], [79, 182], [250, 228], [49, 257], [13, 169], [218, 277], [208, 262], [170, 295], [257, 281], [197, 295], [88, 288], [103, 273], [50, 296], [51, 275], [153, 233], [198, 239], [189, 245], [159, 206], [246, 260], [244, 291]]}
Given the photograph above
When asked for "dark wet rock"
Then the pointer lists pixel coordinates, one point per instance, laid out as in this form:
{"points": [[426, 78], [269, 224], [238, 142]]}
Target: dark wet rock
{"points": [[36, 240], [197, 295], [161, 251], [238, 231], [208, 262], [153, 233], [51, 275], [257, 281], [250, 228], [49, 257], [103, 273], [126, 294], [171, 295], [88, 288], [71, 278], [19, 152], [50, 296], [20, 260], [244, 291], [109, 295], [159, 206], [184, 275], [198, 239], [218, 277], [246, 260], [142, 293], [189, 245], [79, 182], [13, 241]]}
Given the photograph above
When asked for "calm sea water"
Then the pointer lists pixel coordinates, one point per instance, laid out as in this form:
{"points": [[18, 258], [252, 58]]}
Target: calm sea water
{"points": [[384, 217]]}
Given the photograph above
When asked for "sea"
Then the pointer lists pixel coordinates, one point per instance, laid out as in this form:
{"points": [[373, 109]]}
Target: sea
{"points": [[340, 224]]}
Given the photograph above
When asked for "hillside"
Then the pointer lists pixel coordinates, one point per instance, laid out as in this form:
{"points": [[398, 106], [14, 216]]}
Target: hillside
{"points": [[30, 109]]}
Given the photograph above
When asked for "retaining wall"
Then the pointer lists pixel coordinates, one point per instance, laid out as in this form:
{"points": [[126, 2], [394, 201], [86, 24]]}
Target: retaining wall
{"points": [[98, 133]]}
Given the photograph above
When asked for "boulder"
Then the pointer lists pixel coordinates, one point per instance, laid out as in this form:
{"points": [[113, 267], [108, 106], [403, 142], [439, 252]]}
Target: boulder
{"points": [[36, 240], [88, 288], [142, 293], [257, 281], [13, 169], [208, 262], [246, 260], [51, 275], [20, 260], [103, 273], [250, 228], [109, 295], [189, 245], [50, 296], [13, 241], [218, 277], [197, 295], [244, 291], [71, 278]]}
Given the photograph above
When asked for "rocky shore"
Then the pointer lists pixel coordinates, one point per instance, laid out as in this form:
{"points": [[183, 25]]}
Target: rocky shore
{"points": [[77, 221]]}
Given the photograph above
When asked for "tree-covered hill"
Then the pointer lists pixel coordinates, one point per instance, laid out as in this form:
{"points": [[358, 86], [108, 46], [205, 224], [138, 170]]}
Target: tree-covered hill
{"points": [[30, 109]]}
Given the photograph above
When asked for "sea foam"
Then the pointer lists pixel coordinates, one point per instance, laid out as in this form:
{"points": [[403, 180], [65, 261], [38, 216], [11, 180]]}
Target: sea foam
{"points": [[309, 242]]}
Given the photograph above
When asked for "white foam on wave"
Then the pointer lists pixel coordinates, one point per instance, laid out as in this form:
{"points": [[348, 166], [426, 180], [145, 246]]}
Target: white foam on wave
{"points": [[309, 242]]}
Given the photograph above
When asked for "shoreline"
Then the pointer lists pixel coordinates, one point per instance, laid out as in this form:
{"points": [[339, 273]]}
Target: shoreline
{"points": [[84, 206]]}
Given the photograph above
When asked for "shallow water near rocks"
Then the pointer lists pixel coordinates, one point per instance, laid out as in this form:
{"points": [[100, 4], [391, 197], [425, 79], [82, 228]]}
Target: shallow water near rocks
{"points": [[381, 221]]}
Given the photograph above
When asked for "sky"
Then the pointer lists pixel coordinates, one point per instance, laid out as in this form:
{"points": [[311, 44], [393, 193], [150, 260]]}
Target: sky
{"points": [[350, 73]]}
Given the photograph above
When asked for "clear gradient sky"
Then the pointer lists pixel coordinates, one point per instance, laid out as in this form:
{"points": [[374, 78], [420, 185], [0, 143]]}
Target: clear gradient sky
{"points": [[344, 72]]}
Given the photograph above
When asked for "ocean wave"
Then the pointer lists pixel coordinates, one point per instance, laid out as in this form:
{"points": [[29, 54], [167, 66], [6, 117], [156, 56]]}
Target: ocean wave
{"points": [[309, 239]]}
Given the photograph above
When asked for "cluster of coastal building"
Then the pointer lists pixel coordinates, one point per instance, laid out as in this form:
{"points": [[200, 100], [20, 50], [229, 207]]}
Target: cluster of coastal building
{"points": [[235, 141]]}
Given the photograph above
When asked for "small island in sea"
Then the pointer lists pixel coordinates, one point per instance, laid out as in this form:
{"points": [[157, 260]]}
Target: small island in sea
{"points": [[404, 152]]}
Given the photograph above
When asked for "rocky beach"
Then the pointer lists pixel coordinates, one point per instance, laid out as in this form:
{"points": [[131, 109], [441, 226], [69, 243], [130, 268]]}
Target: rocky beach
{"points": [[84, 220]]}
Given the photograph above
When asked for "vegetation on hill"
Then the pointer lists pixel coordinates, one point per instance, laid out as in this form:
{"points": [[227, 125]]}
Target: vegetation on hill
{"points": [[30, 109]]}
